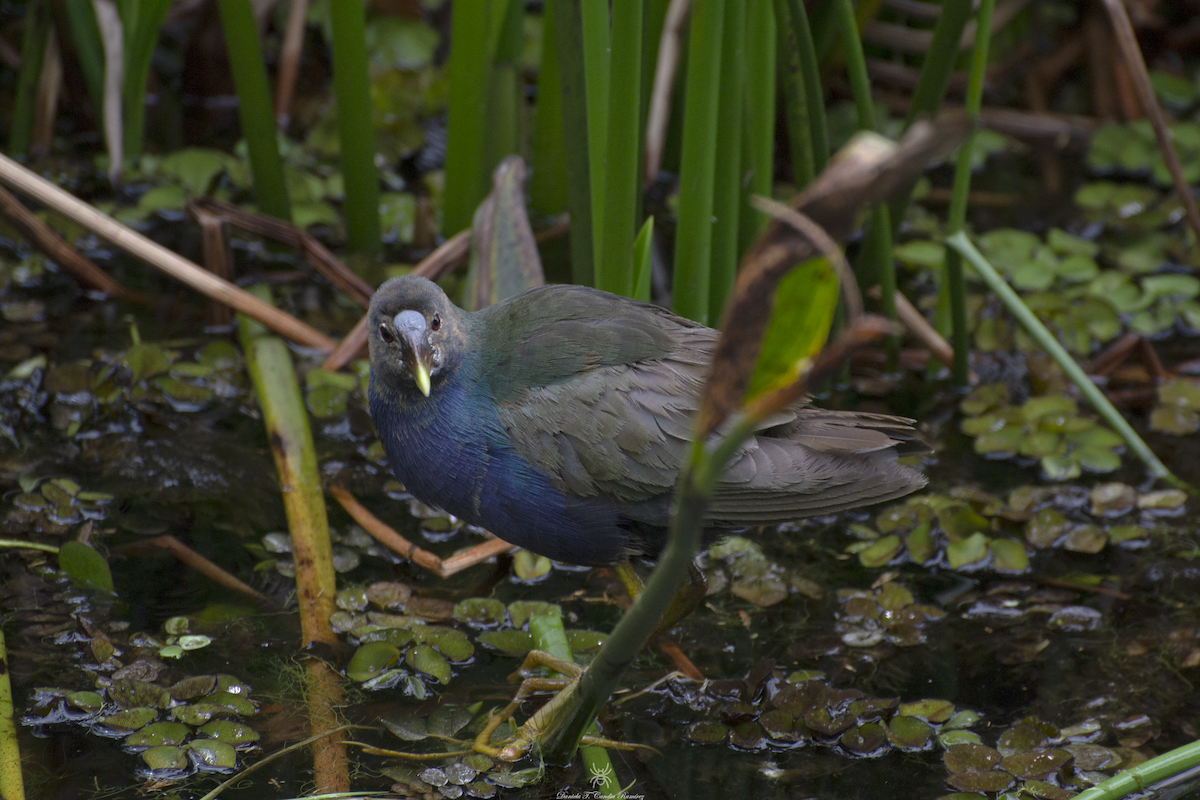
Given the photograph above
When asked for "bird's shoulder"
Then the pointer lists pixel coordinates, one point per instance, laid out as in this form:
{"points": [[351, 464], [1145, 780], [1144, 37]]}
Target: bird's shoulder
{"points": [[557, 334]]}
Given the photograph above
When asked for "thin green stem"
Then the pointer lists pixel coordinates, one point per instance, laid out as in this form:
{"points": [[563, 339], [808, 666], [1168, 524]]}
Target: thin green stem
{"points": [[758, 138], [141, 21], [548, 178], [622, 179], [1046, 340], [568, 42], [254, 107], [1137, 779], [693, 242], [856, 65], [356, 131], [727, 176], [795, 101], [28, 545], [814, 91], [466, 176], [596, 40], [89, 50], [955, 285], [33, 49]]}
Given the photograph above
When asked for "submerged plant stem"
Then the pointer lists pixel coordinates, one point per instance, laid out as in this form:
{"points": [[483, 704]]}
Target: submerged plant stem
{"points": [[1046, 340]]}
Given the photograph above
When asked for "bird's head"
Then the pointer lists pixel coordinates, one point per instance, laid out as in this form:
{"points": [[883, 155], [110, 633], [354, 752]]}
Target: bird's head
{"points": [[413, 329]]}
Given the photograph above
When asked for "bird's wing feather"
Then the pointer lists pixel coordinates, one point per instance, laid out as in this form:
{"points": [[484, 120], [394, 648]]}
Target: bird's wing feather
{"points": [[601, 398]]}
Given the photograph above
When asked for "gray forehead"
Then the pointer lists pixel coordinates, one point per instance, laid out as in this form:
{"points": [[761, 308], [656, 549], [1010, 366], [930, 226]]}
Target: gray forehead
{"points": [[409, 321]]}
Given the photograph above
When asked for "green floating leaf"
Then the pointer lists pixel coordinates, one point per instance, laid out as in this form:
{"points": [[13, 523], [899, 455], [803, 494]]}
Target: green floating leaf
{"points": [[371, 659], [971, 550], [424, 658], [85, 567]]}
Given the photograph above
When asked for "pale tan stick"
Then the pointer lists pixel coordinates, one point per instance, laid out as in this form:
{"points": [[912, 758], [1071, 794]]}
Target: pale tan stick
{"points": [[664, 81], [160, 257], [289, 61], [916, 323], [202, 565], [1132, 55], [393, 541]]}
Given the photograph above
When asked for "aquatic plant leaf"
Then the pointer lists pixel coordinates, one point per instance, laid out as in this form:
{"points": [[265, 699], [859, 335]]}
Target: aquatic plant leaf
{"points": [[448, 720], [165, 758], [881, 551], [157, 734], [213, 755], [480, 611], [371, 659], [408, 727], [509, 642], [971, 550], [519, 611], [1009, 555], [85, 567], [424, 658]]}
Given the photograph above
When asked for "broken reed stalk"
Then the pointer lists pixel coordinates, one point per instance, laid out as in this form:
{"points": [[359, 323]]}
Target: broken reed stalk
{"points": [[44, 238], [12, 786], [387, 536], [1050, 345], [202, 565], [154, 254], [1132, 55], [269, 363]]}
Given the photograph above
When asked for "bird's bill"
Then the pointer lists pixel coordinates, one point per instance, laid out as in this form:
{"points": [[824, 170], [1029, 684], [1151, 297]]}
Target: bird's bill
{"points": [[413, 332], [417, 357]]}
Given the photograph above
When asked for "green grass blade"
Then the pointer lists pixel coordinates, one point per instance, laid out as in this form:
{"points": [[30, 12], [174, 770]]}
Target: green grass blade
{"points": [[254, 106], [356, 131], [814, 91], [568, 43], [596, 70], [33, 48], [89, 50], [548, 178], [622, 180], [727, 175], [141, 20], [795, 102], [955, 286], [693, 242], [643, 260], [758, 138], [466, 173]]}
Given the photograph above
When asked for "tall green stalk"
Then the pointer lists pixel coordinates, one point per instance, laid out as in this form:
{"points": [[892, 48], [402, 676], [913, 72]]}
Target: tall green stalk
{"points": [[33, 48], [727, 176], [795, 101], [140, 21], [466, 173], [758, 138], [568, 43], [596, 40], [877, 256], [621, 177], [85, 34], [954, 285], [939, 60], [548, 178], [814, 91], [693, 238], [356, 131], [254, 106], [502, 112]]}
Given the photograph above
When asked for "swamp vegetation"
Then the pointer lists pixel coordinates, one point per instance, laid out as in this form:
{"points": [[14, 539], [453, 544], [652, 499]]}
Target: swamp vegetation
{"points": [[1026, 627]]}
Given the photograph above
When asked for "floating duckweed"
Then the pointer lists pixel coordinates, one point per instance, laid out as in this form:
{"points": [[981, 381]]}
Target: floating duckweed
{"points": [[424, 658], [234, 733], [129, 720], [87, 702], [211, 755], [480, 611], [165, 759], [508, 642], [371, 659], [159, 733], [520, 611]]}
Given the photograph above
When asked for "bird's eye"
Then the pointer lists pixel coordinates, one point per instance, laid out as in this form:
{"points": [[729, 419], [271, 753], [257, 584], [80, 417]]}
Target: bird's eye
{"points": [[385, 333], [436, 322]]}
